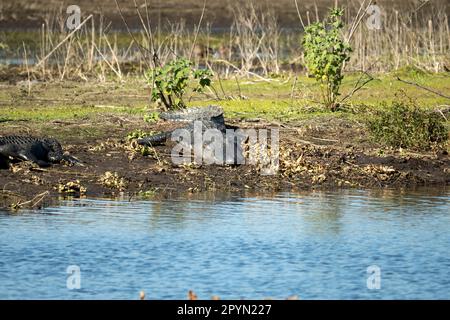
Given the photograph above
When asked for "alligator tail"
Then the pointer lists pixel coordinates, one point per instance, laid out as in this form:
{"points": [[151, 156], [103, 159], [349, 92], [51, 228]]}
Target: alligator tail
{"points": [[155, 139]]}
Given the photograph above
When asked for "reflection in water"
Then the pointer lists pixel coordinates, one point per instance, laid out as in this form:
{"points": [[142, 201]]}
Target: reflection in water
{"points": [[314, 244]]}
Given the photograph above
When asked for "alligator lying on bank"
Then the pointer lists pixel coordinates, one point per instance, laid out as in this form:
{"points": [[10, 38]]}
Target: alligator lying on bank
{"points": [[210, 117], [42, 151]]}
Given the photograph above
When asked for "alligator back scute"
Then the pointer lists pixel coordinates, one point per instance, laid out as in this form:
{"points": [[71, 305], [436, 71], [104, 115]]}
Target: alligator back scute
{"points": [[17, 140], [213, 113]]}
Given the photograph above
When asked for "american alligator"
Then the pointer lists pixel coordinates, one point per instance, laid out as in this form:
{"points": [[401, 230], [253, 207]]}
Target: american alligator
{"points": [[210, 117], [42, 151]]}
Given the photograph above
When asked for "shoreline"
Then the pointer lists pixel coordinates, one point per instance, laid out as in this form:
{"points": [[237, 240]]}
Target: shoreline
{"points": [[319, 149], [113, 168]]}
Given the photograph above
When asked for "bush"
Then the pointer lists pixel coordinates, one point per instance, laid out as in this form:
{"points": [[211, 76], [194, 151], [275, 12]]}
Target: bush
{"points": [[171, 80], [325, 55], [405, 125]]}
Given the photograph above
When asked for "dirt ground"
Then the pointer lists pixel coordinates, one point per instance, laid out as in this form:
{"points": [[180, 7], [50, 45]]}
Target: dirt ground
{"points": [[113, 168]]}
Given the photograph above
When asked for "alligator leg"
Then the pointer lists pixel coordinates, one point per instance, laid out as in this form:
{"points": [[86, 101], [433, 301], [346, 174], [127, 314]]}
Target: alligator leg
{"points": [[3, 162], [21, 152], [28, 156]]}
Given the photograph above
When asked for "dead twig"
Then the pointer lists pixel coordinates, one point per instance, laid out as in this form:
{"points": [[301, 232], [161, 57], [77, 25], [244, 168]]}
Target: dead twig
{"points": [[140, 47], [443, 111], [35, 201], [424, 88], [358, 85], [198, 30], [299, 15], [64, 40], [28, 70]]}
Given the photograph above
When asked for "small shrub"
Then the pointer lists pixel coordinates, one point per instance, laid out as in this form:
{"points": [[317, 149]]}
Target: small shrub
{"points": [[405, 125], [138, 134], [171, 81], [325, 54], [133, 136], [151, 117]]}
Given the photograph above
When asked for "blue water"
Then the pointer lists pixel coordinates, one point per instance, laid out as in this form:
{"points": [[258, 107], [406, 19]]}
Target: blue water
{"points": [[314, 245]]}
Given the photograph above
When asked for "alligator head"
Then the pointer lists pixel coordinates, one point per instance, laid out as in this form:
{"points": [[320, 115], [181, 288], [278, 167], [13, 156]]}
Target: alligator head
{"points": [[53, 148]]}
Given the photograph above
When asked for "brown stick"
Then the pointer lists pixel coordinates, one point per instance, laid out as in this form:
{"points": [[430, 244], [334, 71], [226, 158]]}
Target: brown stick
{"points": [[64, 40], [28, 70], [424, 88], [140, 47], [198, 30], [358, 85], [299, 15]]}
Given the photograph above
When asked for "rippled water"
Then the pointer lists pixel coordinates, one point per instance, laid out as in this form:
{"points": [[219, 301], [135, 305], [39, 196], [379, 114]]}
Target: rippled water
{"points": [[315, 245]]}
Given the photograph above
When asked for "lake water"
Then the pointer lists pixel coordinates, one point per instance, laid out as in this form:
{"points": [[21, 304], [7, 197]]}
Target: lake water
{"points": [[315, 245]]}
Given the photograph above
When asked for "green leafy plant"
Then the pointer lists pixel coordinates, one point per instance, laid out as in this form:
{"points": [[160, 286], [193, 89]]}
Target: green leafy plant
{"points": [[138, 134], [405, 125], [148, 193], [171, 81], [151, 117], [325, 54]]}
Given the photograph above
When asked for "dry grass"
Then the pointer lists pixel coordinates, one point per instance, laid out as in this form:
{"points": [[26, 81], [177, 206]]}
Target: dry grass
{"points": [[254, 44]]}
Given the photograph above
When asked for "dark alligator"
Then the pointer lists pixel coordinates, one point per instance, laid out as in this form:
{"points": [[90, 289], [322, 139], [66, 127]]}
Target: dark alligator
{"points": [[210, 117], [42, 151]]}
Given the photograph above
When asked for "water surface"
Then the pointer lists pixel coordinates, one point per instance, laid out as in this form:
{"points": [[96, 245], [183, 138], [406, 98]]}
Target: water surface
{"points": [[316, 245]]}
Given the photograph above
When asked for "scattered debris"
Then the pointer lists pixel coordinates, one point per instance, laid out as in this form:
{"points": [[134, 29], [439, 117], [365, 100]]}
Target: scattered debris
{"points": [[113, 181], [192, 295], [72, 188]]}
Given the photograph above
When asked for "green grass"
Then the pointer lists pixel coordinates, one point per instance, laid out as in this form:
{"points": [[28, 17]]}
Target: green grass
{"points": [[382, 88], [59, 113], [281, 101], [275, 100], [268, 109]]}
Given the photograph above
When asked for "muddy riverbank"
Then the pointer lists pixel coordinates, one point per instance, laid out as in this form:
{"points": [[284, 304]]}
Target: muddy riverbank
{"points": [[113, 167]]}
